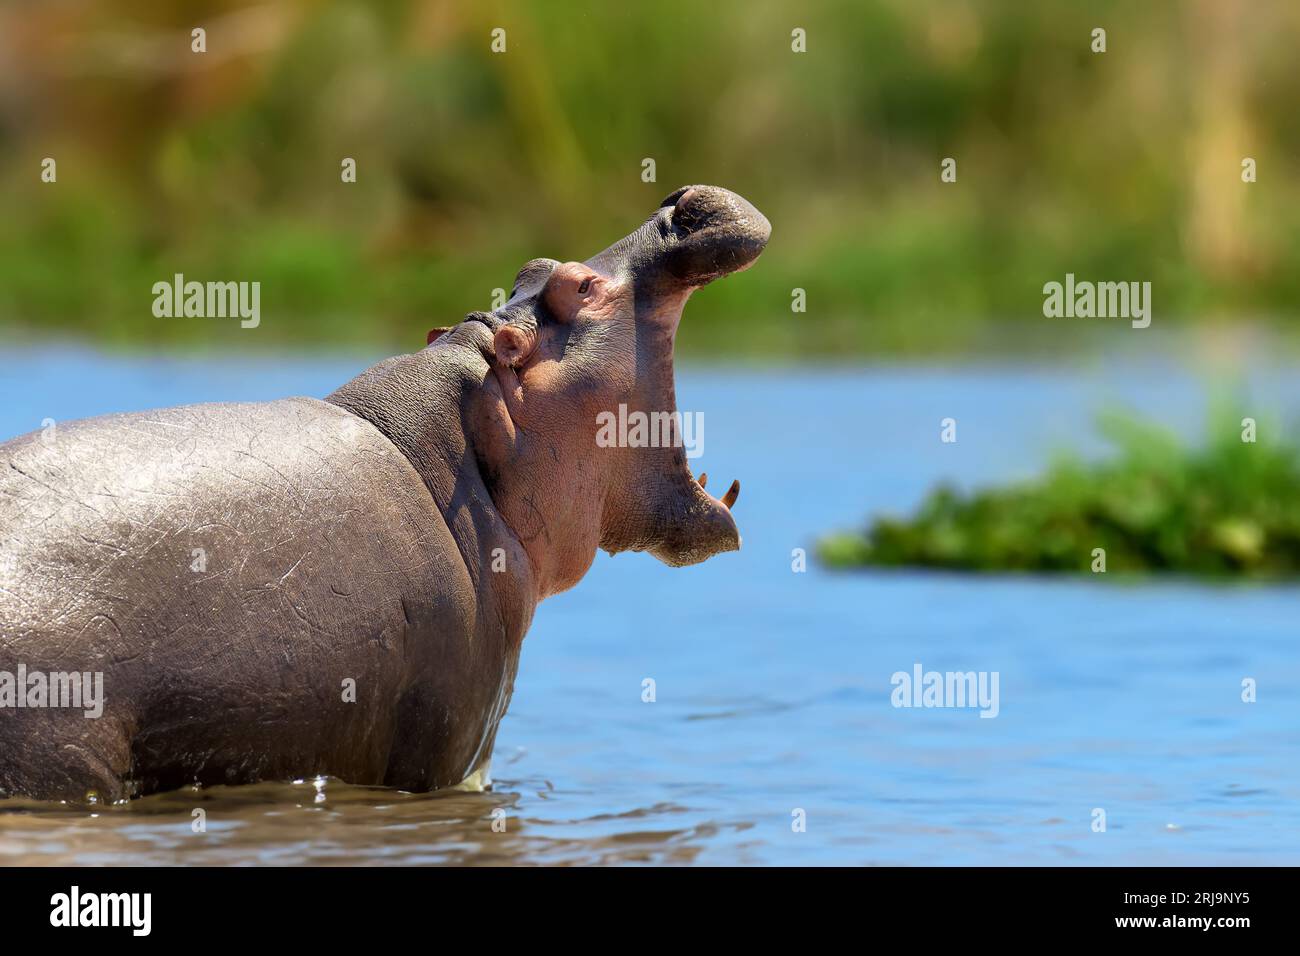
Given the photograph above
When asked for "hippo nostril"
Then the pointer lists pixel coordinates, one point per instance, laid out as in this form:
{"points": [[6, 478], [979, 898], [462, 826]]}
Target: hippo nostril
{"points": [[689, 216]]}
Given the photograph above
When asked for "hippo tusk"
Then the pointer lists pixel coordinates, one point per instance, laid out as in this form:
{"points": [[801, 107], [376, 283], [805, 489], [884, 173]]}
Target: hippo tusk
{"points": [[732, 494], [703, 479]]}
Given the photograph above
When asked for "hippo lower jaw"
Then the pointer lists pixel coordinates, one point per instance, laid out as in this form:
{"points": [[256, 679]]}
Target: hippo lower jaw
{"points": [[673, 518], [708, 528], [691, 525]]}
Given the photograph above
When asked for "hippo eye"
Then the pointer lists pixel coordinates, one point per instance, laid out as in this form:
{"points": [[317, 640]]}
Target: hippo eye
{"points": [[586, 284]]}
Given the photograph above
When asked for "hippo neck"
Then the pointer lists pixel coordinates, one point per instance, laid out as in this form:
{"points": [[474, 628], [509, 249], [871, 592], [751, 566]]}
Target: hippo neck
{"points": [[422, 403], [417, 400]]}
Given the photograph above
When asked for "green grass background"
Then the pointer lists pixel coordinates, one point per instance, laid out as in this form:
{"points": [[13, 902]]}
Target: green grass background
{"points": [[1123, 165]]}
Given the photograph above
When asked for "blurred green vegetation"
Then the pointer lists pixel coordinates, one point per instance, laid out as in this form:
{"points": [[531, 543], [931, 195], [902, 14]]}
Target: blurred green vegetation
{"points": [[1123, 165], [1228, 508]]}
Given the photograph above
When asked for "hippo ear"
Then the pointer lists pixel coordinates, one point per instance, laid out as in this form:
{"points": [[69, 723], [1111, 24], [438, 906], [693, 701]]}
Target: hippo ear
{"points": [[514, 344], [435, 333]]}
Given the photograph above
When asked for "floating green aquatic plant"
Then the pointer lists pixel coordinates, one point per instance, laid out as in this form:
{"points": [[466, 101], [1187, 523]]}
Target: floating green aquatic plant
{"points": [[1231, 507]]}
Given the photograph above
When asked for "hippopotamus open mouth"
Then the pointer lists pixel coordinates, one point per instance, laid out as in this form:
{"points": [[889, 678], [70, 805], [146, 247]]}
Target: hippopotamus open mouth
{"points": [[698, 234], [579, 342]]}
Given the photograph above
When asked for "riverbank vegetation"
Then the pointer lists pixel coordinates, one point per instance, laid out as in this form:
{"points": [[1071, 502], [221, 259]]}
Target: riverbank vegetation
{"points": [[1227, 507]]}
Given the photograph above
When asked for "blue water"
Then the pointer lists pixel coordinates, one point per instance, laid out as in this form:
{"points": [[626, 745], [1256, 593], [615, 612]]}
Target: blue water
{"points": [[773, 687]]}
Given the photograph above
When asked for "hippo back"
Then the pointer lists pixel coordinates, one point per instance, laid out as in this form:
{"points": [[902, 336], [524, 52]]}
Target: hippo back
{"points": [[255, 608]]}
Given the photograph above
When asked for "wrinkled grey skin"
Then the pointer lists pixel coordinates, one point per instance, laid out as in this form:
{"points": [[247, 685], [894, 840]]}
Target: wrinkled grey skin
{"points": [[350, 538]]}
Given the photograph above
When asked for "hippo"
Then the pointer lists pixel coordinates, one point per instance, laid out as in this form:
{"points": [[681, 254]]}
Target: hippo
{"points": [[235, 592]]}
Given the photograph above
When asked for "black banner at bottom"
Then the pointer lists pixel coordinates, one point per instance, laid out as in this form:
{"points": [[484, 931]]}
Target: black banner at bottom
{"points": [[341, 905]]}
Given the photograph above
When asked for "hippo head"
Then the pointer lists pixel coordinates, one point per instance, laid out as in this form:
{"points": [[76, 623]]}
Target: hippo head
{"points": [[580, 344]]}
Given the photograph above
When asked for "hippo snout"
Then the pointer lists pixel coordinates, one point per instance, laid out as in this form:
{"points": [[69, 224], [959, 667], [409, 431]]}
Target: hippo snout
{"points": [[710, 232], [695, 208]]}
